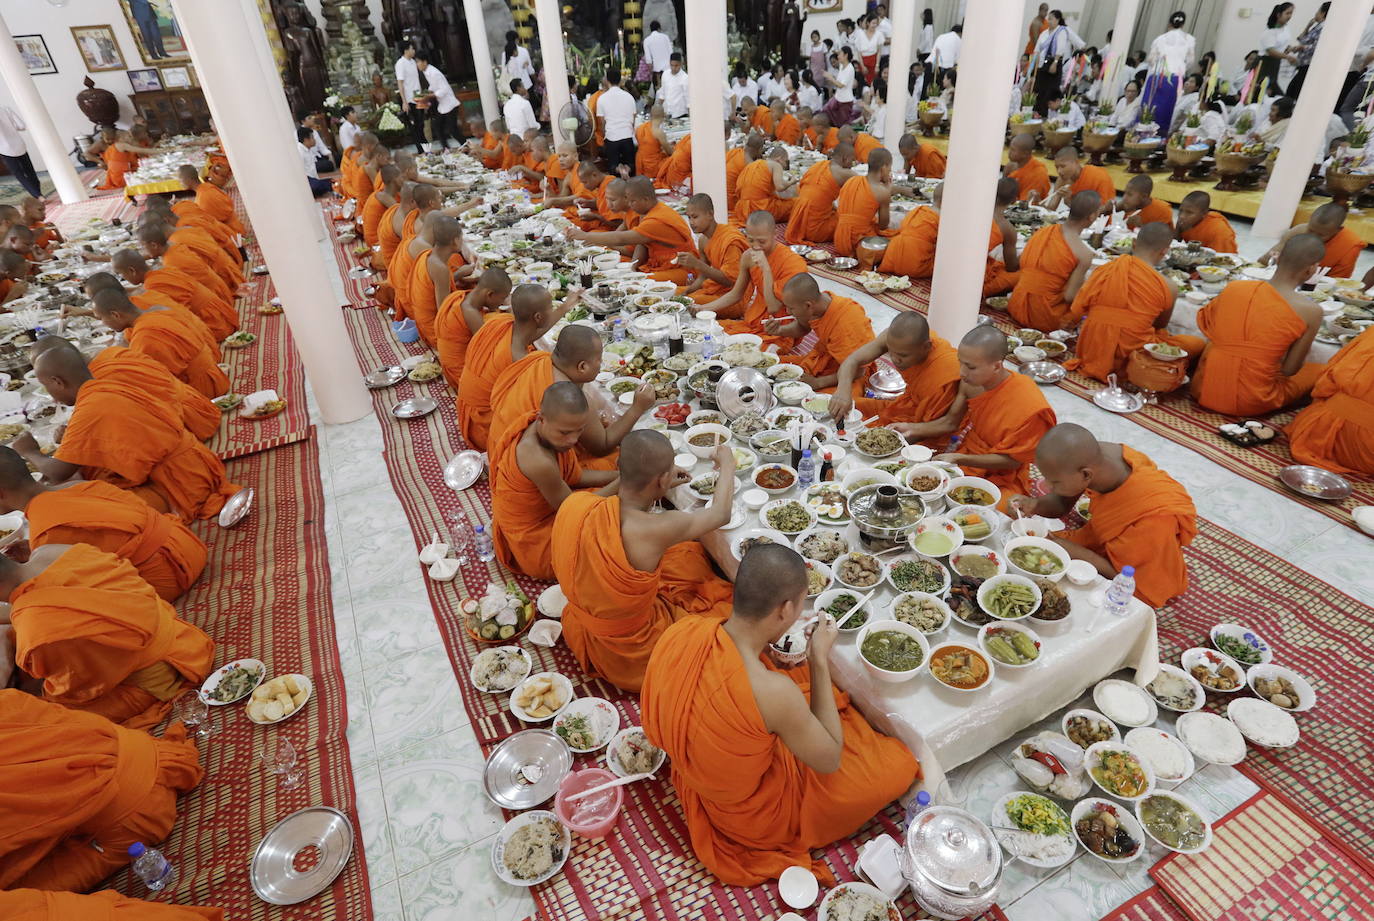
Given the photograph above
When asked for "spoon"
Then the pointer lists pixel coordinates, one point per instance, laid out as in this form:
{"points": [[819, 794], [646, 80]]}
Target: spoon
{"points": [[618, 782]]}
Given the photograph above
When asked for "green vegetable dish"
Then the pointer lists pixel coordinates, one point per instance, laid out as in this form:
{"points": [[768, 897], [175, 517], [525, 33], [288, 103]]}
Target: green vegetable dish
{"points": [[1009, 600], [1038, 815], [841, 606], [893, 651], [918, 576], [1238, 649], [1038, 560], [235, 683], [577, 731], [1011, 647]]}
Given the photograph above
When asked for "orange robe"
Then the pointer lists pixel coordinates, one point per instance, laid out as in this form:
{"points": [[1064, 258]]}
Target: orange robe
{"points": [[163, 550], [1156, 212], [1249, 328], [762, 119], [1213, 231], [188, 262], [198, 413], [755, 191], [1094, 179], [753, 306], [518, 390], [856, 213], [106, 905], [753, 809], [677, 169], [167, 336], [216, 260], [190, 214], [912, 251], [1120, 303], [103, 641], [1337, 430], [843, 328], [117, 163], [649, 155], [864, 144], [1009, 419], [930, 388], [117, 434], [668, 235], [616, 613], [1145, 522], [1033, 177], [996, 278], [401, 270], [218, 205], [387, 237], [600, 134], [68, 779], [372, 218], [734, 165], [217, 314], [521, 518], [196, 327], [452, 336], [1046, 264], [929, 162], [1341, 252], [788, 129], [723, 250], [813, 211], [424, 306], [831, 141], [487, 357]]}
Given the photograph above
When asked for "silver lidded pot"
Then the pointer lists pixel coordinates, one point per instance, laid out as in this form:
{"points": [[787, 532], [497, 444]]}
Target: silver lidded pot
{"points": [[952, 862], [886, 383], [885, 514]]}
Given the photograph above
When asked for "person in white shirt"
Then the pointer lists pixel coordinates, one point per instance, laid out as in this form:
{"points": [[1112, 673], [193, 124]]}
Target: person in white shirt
{"points": [[15, 152], [944, 51], [658, 48], [348, 129], [615, 111], [1187, 103], [305, 146], [926, 40], [1172, 55], [324, 160], [1127, 111], [775, 88], [808, 94], [884, 27], [516, 60], [443, 113], [741, 86], [672, 88], [1276, 59], [408, 85], [1053, 51], [519, 113], [1072, 119], [868, 42], [840, 108]]}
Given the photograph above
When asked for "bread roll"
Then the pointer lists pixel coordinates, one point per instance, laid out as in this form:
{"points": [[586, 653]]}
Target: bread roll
{"points": [[273, 711]]}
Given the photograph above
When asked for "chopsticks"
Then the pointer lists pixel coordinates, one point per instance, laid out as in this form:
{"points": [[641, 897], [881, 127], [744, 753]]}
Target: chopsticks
{"points": [[854, 610]]}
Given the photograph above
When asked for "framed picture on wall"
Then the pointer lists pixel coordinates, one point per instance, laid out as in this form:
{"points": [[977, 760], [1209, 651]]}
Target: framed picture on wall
{"points": [[176, 78], [824, 6], [34, 51], [145, 81], [155, 31], [98, 48]]}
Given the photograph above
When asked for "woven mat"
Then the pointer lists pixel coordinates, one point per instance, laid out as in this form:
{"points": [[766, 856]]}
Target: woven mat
{"points": [[1150, 905], [265, 594], [1268, 860], [72, 218]]}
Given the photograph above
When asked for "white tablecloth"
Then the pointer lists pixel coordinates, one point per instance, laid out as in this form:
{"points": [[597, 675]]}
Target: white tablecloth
{"points": [[1184, 320]]}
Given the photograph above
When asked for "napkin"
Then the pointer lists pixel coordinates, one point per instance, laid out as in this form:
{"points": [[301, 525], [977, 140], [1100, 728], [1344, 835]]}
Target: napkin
{"points": [[879, 861], [255, 401], [546, 632], [433, 552], [443, 570]]}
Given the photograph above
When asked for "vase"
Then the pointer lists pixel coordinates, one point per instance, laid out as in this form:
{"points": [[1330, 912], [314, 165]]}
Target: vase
{"points": [[99, 105]]}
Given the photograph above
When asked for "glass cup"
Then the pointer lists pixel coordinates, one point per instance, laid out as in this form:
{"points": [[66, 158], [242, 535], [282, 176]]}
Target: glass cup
{"points": [[193, 712], [279, 757]]}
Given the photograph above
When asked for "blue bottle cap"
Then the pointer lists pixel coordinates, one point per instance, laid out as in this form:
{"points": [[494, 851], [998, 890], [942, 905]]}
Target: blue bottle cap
{"points": [[1128, 570], [923, 798], [136, 849]]}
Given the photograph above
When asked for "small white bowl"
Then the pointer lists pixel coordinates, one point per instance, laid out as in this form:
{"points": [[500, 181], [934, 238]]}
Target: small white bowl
{"points": [[944, 574], [862, 589], [1247, 636], [792, 393], [1191, 804], [1028, 353], [1039, 543], [987, 587], [991, 663], [1202, 655], [994, 519], [785, 371], [1081, 572], [1307, 698], [986, 485], [754, 499], [917, 454], [1123, 817], [968, 550], [774, 490], [708, 429], [937, 524], [1034, 526], [883, 674], [1014, 628], [1094, 754], [704, 417], [1092, 715], [798, 887], [922, 469], [1364, 517], [826, 598], [866, 476], [685, 461]]}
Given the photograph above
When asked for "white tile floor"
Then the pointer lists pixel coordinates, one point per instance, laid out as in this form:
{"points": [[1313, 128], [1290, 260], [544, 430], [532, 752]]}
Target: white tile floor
{"points": [[427, 827]]}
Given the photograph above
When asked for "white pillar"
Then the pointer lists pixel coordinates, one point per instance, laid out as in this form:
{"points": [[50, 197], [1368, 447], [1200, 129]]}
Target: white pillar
{"points": [[903, 45], [987, 63], [481, 59], [705, 86], [267, 170], [550, 21], [52, 150], [1307, 128], [1122, 28]]}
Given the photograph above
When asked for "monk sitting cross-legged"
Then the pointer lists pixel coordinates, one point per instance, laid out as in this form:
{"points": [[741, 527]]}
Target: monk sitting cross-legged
{"points": [[764, 268], [191, 216], [218, 315], [928, 364], [1126, 304], [462, 315], [924, 160], [840, 324], [765, 186], [786, 128], [34, 212], [997, 418], [183, 258], [862, 142], [1341, 245], [94, 636], [736, 159], [821, 134], [677, 170], [629, 574], [1197, 223], [911, 251], [534, 468], [228, 269], [813, 215], [657, 236], [401, 270], [717, 269], [1337, 431], [1141, 208], [380, 202], [653, 147], [1053, 266], [1074, 176], [501, 342], [190, 178], [166, 335], [862, 208], [532, 166], [592, 211], [123, 365], [163, 550], [1259, 334], [105, 905], [1032, 179], [1003, 264], [769, 763], [76, 790], [213, 198], [120, 434], [1141, 516], [14, 275], [438, 269]]}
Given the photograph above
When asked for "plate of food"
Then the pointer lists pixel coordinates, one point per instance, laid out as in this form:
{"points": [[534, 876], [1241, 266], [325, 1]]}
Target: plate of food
{"points": [[1009, 597], [674, 414], [789, 516], [1165, 352], [1282, 687], [775, 478], [1107, 831], [821, 544], [1212, 669], [753, 537], [977, 564], [1085, 728], [240, 339], [1211, 738], [839, 602], [226, 403], [857, 902], [279, 699], [1176, 690], [704, 486], [1036, 557], [913, 574], [1034, 829], [1175, 822], [1118, 771], [425, 371], [630, 752], [1054, 604], [1242, 644], [1263, 723], [269, 310], [1166, 754], [232, 682], [829, 502], [922, 610], [960, 667], [858, 570], [540, 697], [1052, 765], [972, 490], [818, 578], [531, 848], [1125, 703], [1011, 645], [878, 443], [500, 668], [587, 724], [264, 410]]}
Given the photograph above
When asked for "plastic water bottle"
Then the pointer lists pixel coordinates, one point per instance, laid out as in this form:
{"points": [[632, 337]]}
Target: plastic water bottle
{"points": [[155, 870], [482, 541], [708, 347], [806, 469], [1120, 592], [921, 804], [618, 330]]}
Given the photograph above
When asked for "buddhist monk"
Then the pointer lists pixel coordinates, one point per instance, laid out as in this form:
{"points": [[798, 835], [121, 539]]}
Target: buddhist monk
{"points": [[532, 168], [1004, 263], [20, 239], [765, 186], [596, 212], [1342, 246], [1126, 304], [501, 342], [1197, 223], [118, 435], [911, 251], [862, 208], [380, 201], [1032, 179], [1258, 336], [786, 128], [659, 230], [997, 418], [924, 160], [813, 214], [821, 135], [190, 210], [34, 212], [653, 145], [106, 905], [676, 171], [14, 275], [166, 335], [218, 315], [840, 324], [628, 573], [189, 214], [1337, 431], [392, 227], [928, 364], [1074, 176], [1053, 266], [215, 257], [769, 763], [1141, 207], [212, 197], [182, 258], [757, 117], [534, 468], [736, 159], [401, 270], [492, 148], [1141, 516], [764, 268], [198, 412], [163, 550], [437, 271], [98, 637], [9, 216], [462, 315], [77, 790], [862, 142], [120, 155], [716, 270]]}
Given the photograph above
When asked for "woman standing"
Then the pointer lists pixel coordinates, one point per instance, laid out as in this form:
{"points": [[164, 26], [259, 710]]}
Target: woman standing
{"points": [[840, 108], [1051, 60], [1276, 61], [515, 58], [926, 42], [817, 52], [867, 43], [1307, 43], [1171, 55]]}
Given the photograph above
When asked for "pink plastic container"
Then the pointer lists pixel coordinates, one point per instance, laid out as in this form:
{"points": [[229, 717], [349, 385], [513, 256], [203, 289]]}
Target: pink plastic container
{"points": [[578, 781]]}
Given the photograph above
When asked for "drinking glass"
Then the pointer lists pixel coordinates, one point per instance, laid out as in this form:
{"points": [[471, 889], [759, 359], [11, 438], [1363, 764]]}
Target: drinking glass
{"points": [[279, 757], [193, 712], [461, 537]]}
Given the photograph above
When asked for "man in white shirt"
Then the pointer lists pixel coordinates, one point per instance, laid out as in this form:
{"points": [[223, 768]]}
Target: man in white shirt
{"points": [[884, 27], [741, 86], [658, 48], [672, 88], [518, 112], [945, 54], [324, 158], [305, 146], [1356, 85], [408, 85], [615, 111], [348, 129], [443, 112], [15, 153]]}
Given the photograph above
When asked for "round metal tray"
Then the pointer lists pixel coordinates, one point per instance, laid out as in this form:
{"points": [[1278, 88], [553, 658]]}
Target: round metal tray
{"points": [[384, 377], [414, 408], [237, 507], [272, 872], [744, 389], [464, 469], [1315, 483], [533, 752]]}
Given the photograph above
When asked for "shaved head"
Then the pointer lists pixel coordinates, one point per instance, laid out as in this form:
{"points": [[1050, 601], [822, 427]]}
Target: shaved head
{"points": [[1327, 215], [753, 145], [985, 341], [427, 196], [444, 230], [1067, 154], [14, 472], [113, 301], [408, 194], [391, 174], [1301, 252], [878, 158], [645, 455], [1007, 188], [1023, 142], [528, 301], [62, 369], [1154, 237], [563, 398], [153, 232], [768, 576], [495, 280], [910, 327], [99, 281], [128, 260], [762, 221], [1199, 200], [1069, 457], [12, 264], [908, 145], [1084, 206], [578, 352], [189, 175], [1141, 183], [801, 286]]}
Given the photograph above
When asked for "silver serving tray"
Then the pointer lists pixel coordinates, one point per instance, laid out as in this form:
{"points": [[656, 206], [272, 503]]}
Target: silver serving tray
{"points": [[843, 263], [237, 507], [361, 271], [1044, 372], [276, 880], [414, 408], [385, 377], [1113, 399], [464, 469], [506, 776], [744, 389], [1329, 486]]}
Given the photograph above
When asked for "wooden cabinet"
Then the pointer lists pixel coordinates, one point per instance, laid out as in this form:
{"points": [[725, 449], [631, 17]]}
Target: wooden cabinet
{"points": [[170, 112]]}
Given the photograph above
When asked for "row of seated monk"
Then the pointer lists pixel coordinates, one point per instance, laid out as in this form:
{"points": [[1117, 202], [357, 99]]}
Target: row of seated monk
{"points": [[92, 651]]}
